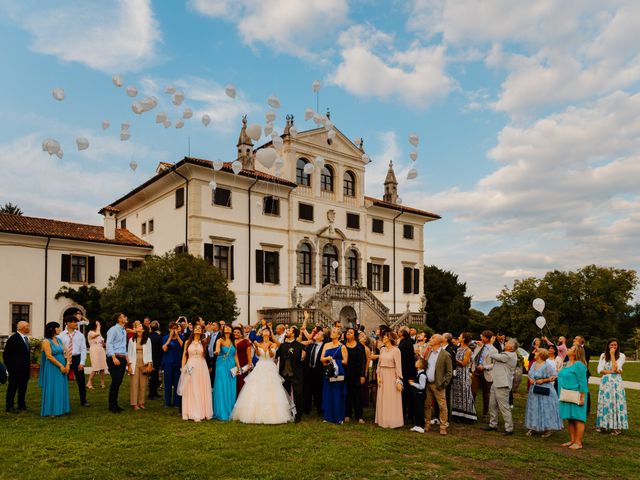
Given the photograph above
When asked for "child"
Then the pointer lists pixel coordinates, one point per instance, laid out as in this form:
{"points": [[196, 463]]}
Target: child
{"points": [[419, 387]]}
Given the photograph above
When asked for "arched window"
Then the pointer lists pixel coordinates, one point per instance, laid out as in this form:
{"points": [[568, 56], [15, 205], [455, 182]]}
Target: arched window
{"points": [[349, 184], [326, 179], [352, 267], [305, 265], [329, 255], [302, 178]]}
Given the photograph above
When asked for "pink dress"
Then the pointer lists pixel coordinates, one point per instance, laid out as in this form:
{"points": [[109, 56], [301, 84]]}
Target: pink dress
{"points": [[96, 352], [389, 399], [195, 386]]}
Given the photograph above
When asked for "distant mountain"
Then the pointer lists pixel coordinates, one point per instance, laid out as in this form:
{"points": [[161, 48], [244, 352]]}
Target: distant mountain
{"points": [[484, 306]]}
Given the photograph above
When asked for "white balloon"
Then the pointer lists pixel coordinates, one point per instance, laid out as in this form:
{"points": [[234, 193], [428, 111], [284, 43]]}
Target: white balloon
{"points": [[538, 304], [179, 123], [58, 94], [254, 131], [60, 154], [541, 322], [206, 119], [279, 163], [105, 124], [308, 168], [166, 123], [328, 124], [236, 167], [218, 164], [320, 161], [82, 143], [268, 129], [316, 85], [188, 113], [117, 80], [137, 108], [277, 141], [308, 114], [51, 146], [124, 126], [334, 264], [293, 131], [270, 116], [278, 172], [317, 118], [273, 101], [413, 155], [230, 90], [331, 134], [213, 185], [178, 98], [266, 156], [399, 201], [161, 117], [414, 139], [259, 203], [366, 158], [149, 103], [124, 136], [170, 89], [411, 174], [133, 165], [132, 91]]}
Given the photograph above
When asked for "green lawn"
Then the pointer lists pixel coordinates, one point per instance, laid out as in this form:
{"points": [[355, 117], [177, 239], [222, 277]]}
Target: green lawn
{"points": [[630, 371], [156, 443]]}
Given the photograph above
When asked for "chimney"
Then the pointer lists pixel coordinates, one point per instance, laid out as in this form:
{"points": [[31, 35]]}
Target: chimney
{"points": [[109, 214]]}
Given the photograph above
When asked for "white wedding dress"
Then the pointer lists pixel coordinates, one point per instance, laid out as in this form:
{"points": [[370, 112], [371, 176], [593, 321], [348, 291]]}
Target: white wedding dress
{"points": [[263, 399]]}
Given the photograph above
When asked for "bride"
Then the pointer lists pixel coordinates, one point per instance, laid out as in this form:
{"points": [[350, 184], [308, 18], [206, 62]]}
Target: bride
{"points": [[263, 399]]}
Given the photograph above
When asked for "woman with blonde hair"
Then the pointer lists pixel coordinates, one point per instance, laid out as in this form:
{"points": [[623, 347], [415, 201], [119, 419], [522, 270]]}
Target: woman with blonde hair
{"points": [[542, 413], [574, 391]]}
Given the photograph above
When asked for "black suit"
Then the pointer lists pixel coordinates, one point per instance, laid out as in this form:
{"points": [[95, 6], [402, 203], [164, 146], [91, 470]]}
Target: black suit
{"points": [[292, 370], [211, 359], [408, 356], [499, 346], [313, 378], [156, 353], [17, 359]]}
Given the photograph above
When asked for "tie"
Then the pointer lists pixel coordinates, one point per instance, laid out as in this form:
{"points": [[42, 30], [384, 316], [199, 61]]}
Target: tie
{"points": [[479, 355], [26, 342], [313, 355], [71, 342]]}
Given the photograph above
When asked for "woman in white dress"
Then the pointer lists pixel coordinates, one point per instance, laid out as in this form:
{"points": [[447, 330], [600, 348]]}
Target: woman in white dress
{"points": [[263, 399]]}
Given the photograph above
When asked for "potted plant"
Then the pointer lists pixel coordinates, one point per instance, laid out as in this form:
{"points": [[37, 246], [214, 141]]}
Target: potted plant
{"points": [[36, 351]]}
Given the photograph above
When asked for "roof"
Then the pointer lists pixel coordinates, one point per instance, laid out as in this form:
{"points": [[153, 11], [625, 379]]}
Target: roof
{"points": [[45, 227], [203, 163], [401, 208]]}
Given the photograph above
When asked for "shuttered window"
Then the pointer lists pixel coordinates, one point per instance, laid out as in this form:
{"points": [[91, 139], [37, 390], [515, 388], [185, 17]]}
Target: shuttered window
{"points": [[353, 221]]}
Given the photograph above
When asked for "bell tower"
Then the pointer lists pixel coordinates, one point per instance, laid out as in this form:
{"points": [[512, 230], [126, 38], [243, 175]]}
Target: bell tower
{"points": [[390, 186], [245, 147]]}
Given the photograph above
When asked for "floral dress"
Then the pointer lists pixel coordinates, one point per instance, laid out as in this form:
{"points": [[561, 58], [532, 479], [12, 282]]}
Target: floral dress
{"points": [[612, 400], [462, 405]]}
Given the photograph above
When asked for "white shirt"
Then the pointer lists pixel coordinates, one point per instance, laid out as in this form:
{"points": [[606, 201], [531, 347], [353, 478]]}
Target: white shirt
{"points": [[431, 365], [75, 343], [280, 338], [602, 363]]}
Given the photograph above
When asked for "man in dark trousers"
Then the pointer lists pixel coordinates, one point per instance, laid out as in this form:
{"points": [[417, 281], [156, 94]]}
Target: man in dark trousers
{"points": [[17, 359], [76, 343], [155, 337], [291, 355], [314, 374], [407, 356]]}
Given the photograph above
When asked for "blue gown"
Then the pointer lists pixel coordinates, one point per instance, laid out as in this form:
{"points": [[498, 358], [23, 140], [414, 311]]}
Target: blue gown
{"points": [[224, 390], [334, 393], [54, 384], [543, 411]]}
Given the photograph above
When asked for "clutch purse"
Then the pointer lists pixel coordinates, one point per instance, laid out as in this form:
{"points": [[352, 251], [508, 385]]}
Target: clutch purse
{"points": [[570, 396], [540, 390]]}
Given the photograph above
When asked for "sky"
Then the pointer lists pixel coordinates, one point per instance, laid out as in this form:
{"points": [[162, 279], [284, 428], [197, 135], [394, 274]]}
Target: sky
{"points": [[528, 112]]}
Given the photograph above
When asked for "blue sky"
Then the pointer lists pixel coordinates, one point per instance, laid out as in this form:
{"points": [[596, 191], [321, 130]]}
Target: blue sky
{"points": [[528, 111]]}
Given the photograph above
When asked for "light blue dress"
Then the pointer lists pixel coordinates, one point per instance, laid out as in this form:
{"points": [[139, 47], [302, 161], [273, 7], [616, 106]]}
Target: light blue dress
{"points": [[543, 411], [54, 384], [574, 377], [612, 402], [224, 390]]}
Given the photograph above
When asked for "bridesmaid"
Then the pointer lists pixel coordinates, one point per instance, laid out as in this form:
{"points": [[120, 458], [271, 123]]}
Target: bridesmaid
{"points": [[334, 393], [96, 353], [195, 384], [390, 386], [54, 367], [245, 357], [224, 390], [140, 359], [612, 400]]}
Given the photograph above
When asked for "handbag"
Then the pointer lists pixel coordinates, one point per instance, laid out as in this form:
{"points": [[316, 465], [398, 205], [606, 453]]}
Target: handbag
{"points": [[331, 369], [540, 390], [570, 396]]}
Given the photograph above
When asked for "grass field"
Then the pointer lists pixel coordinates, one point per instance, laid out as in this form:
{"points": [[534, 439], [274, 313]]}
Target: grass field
{"points": [[156, 443], [630, 370]]}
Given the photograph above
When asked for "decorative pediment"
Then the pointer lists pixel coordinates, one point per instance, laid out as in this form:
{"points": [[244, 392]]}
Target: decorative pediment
{"points": [[339, 144]]}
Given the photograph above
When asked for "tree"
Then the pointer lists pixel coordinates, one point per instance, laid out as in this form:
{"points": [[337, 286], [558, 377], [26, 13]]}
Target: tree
{"points": [[169, 286], [11, 209], [447, 305], [88, 297]]}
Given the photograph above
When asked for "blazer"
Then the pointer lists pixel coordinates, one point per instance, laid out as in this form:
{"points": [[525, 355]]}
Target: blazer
{"points": [[504, 366], [408, 359], [488, 365], [147, 354], [444, 368], [17, 357]]}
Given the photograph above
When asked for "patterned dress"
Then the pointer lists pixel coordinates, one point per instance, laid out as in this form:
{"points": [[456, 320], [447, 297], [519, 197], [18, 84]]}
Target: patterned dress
{"points": [[543, 411], [612, 400], [462, 405]]}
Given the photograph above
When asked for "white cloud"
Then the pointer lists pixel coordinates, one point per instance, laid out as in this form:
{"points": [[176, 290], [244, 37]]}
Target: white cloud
{"points": [[372, 66], [296, 28], [107, 37]]}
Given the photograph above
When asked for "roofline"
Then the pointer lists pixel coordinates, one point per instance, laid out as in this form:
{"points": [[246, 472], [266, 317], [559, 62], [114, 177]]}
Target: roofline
{"points": [[381, 203], [104, 242]]}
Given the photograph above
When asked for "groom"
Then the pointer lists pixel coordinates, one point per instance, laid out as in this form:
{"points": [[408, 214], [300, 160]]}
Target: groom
{"points": [[291, 355]]}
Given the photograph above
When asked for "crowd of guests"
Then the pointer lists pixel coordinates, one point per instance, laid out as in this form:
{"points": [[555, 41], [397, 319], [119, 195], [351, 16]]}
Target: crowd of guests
{"points": [[257, 374]]}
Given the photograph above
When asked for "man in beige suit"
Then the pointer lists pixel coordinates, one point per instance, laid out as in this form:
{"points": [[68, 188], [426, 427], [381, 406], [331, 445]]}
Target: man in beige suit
{"points": [[439, 373], [504, 365]]}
